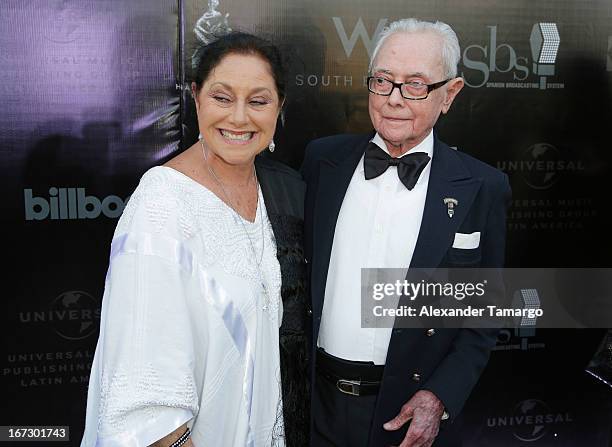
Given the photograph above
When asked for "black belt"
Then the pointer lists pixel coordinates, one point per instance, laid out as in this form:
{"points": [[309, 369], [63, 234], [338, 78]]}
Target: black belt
{"points": [[355, 378]]}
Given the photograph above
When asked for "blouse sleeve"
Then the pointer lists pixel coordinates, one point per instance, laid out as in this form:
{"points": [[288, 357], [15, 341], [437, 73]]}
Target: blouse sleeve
{"points": [[143, 383]]}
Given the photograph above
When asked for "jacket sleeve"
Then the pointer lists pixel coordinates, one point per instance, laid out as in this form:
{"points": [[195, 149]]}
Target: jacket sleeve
{"points": [[306, 167]]}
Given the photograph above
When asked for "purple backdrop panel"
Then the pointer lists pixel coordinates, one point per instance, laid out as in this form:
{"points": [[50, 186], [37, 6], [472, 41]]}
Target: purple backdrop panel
{"points": [[89, 102]]}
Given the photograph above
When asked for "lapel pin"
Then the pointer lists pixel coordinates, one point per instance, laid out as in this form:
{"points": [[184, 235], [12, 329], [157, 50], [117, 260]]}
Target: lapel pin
{"points": [[451, 204]]}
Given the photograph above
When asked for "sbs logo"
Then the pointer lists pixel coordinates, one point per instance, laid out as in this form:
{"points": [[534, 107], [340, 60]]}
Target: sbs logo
{"points": [[544, 41]]}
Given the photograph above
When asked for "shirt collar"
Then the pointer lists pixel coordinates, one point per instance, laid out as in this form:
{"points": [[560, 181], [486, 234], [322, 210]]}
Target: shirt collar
{"points": [[424, 146]]}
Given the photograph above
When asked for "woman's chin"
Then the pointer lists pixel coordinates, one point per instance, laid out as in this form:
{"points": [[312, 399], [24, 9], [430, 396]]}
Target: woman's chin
{"points": [[237, 156]]}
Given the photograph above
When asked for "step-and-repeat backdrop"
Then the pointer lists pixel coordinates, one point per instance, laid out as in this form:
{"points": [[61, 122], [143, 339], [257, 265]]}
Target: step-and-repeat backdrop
{"points": [[93, 93]]}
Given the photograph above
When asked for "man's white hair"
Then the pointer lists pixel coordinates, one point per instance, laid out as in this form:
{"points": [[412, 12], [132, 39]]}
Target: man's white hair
{"points": [[451, 53]]}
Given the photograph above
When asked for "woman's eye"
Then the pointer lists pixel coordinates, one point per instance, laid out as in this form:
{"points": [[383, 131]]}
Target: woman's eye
{"points": [[222, 99], [259, 101]]}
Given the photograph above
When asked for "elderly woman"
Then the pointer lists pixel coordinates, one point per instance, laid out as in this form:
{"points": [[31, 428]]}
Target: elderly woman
{"points": [[189, 350]]}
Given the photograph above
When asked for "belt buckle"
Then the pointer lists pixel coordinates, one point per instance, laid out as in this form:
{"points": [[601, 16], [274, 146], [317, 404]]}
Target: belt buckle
{"points": [[348, 386]]}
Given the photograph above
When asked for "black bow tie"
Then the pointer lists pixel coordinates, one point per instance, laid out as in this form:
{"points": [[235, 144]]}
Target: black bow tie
{"points": [[409, 167]]}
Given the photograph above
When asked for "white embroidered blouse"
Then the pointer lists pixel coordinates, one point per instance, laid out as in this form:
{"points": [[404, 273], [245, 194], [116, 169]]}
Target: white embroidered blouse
{"points": [[186, 332]]}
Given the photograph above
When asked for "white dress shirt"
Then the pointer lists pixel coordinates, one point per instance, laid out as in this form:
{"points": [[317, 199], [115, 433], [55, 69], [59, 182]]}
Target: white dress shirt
{"points": [[378, 226]]}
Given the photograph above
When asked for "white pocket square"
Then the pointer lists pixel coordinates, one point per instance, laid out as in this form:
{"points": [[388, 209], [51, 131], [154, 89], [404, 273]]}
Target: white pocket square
{"points": [[467, 241]]}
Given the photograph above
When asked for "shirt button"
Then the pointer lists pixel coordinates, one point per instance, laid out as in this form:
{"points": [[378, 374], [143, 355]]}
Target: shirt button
{"points": [[387, 188], [430, 332], [416, 377], [309, 312]]}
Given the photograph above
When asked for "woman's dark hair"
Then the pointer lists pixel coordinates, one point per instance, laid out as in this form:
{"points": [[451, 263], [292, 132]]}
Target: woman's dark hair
{"points": [[209, 56]]}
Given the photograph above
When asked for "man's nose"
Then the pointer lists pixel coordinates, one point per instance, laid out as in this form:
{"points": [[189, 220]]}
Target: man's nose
{"points": [[396, 98]]}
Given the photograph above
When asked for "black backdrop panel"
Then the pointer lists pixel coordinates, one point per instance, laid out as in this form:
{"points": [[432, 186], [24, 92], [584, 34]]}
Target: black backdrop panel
{"points": [[94, 93]]}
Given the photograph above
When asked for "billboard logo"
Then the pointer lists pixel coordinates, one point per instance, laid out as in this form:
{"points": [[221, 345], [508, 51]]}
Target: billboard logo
{"points": [[544, 42], [71, 203], [531, 420], [541, 166], [359, 31]]}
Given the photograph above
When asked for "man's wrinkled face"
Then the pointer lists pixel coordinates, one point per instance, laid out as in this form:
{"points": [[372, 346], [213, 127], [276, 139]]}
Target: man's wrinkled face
{"points": [[406, 57]]}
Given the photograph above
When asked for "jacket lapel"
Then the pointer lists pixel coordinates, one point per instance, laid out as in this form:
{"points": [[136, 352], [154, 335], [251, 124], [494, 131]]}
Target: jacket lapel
{"points": [[448, 178], [335, 174], [266, 179]]}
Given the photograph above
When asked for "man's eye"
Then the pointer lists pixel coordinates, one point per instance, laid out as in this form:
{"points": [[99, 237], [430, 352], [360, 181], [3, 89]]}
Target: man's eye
{"points": [[222, 99], [380, 80], [415, 84], [258, 102]]}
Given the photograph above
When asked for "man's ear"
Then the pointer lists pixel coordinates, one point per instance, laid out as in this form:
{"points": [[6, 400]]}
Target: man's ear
{"points": [[453, 88]]}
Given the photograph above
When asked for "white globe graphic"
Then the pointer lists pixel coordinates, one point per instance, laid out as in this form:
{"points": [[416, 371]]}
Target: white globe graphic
{"points": [[542, 160], [79, 312], [529, 410]]}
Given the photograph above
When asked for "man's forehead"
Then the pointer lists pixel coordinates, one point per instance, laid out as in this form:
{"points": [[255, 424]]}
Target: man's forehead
{"points": [[414, 54], [413, 38], [391, 72]]}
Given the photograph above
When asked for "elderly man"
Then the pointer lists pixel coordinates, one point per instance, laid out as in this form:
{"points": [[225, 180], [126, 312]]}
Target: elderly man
{"points": [[397, 197]]}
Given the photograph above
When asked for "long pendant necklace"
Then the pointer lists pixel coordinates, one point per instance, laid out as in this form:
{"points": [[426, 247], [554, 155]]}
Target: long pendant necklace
{"points": [[239, 218]]}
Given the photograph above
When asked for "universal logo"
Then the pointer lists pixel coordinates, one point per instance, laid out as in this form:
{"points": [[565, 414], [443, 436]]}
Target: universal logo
{"points": [[71, 203], [68, 22], [74, 315], [544, 41], [531, 420], [541, 166]]}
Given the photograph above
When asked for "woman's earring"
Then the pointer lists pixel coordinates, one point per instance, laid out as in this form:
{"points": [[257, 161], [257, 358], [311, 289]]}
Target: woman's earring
{"points": [[271, 146], [199, 136]]}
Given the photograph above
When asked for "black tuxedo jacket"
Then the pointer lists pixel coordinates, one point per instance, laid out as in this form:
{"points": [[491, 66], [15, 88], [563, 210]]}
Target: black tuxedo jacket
{"points": [[450, 362], [283, 191]]}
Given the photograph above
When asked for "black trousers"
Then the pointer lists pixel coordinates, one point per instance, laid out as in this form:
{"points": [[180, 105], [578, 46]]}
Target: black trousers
{"points": [[340, 419], [344, 420]]}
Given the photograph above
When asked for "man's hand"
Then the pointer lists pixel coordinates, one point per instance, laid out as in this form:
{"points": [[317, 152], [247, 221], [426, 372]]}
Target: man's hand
{"points": [[425, 410]]}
